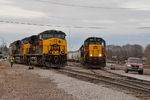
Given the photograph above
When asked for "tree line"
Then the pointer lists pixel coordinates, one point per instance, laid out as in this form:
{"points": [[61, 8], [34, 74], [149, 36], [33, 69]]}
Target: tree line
{"points": [[147, 55], [3, 46]]}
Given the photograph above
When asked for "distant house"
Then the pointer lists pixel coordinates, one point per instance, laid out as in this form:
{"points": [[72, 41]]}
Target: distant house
{"points": [[3, 52]]}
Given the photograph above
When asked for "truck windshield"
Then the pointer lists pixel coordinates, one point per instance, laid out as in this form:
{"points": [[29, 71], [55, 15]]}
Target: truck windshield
{"points": [[135, 61]]}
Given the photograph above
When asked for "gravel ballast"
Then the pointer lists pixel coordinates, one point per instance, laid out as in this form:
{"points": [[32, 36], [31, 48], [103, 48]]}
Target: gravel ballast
{"points": [[19, 83], [83, 90]]}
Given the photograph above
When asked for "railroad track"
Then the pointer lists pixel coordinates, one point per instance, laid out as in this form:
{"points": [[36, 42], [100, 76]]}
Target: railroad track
{"points": [[138, 87], [122, 77], [130, 85], [130, 79]]}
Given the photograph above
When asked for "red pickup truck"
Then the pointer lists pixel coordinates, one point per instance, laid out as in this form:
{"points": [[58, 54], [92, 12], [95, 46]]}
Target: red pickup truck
{"points": [[134, 64]]}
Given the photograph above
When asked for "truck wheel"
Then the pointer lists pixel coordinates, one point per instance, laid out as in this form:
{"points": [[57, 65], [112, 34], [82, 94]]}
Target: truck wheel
{"points": [[104, 64], [126, 70], [141, 72]]}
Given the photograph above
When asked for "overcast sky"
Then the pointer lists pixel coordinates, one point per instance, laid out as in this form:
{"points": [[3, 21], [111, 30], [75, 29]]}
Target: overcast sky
{"points": [[119, 22]]}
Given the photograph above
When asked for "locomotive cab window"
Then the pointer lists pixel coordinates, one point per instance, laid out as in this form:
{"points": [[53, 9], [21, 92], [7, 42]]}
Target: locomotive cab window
{"points": [[47, 36], [94, 41], [61, 36], [103, 44], [25, 42]]}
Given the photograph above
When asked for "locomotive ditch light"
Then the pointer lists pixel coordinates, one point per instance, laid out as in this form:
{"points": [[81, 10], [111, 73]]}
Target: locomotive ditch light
{"points": [[100, 55], [91, 55]]}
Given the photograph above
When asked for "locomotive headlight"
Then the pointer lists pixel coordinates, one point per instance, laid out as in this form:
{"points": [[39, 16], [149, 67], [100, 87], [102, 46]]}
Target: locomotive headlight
{"points": [[100, 55], [91, 55]]}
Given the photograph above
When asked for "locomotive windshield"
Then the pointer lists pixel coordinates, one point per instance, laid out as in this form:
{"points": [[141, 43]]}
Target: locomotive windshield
{"points": [[59, 36], [95, 41], [47, 36], [52, 34], [25, 41]]}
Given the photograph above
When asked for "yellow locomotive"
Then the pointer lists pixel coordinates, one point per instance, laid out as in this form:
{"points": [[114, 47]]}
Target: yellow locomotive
{"points": [[48, 48], [93, 52]]}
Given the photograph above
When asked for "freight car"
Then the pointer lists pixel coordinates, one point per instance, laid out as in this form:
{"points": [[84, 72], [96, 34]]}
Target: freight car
{"points": [[92, 53], [74, 56], [48, 48]]}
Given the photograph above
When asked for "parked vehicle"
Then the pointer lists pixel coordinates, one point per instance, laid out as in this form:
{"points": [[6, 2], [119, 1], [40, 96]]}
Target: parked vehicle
{"points": [[134, 64]]}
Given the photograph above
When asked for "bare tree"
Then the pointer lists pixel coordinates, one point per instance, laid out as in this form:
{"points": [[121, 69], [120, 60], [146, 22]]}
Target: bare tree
{"points": [[147, 55], [121, 53], [3, 46], [133, 50]]}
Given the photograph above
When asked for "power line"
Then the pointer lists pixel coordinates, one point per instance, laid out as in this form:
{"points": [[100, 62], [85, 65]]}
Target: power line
{"points": [[148, 27], [83, 6], [64, 26], [35, 24]]}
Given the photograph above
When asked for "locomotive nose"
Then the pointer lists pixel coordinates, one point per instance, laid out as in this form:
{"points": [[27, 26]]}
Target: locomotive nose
{"points": [[95, 50]]}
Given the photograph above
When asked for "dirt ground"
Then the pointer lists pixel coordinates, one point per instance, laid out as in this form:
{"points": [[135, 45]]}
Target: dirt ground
{"points": [[18, 83]]}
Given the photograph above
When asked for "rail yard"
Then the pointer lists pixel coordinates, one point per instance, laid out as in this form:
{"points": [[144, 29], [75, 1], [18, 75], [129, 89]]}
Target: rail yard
{"points": [[45, 69], [73, 82], [74, 50]]}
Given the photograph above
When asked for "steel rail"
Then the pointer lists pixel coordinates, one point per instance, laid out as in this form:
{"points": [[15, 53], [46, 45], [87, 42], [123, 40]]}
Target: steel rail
{"points": [[94, 78]]}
